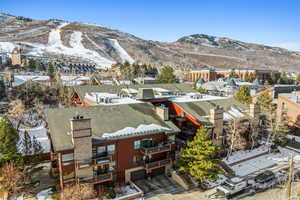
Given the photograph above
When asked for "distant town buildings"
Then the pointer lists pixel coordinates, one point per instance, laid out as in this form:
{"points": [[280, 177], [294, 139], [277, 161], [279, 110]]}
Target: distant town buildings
{"points": [[213, 74]]}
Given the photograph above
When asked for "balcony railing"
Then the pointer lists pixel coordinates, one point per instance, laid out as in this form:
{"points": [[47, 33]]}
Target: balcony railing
{"points": [[96, 179], [104, 160], [156, 149], [157, 164]]}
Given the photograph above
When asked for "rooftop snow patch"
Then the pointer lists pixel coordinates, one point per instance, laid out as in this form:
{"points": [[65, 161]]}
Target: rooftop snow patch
{"points": [[141, 129], [120, 51]]}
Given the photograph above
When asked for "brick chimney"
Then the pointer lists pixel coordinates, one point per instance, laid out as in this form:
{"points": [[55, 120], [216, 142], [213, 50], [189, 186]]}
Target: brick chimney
{"points": [[216, 118], [82, 140]]}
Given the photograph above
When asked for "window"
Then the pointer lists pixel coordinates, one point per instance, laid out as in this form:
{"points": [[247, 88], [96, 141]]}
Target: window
{"points": [[147, 142], [137, 144], [111, 149], [101, 150], [67, 159]]}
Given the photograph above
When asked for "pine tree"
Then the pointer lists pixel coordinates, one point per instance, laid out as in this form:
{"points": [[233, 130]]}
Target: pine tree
{"points": [[9, 138], [50, 70], [197, 158], [2, 90], [26, 144], [232, 74], [31, 65], [36, 146], [281, 131], [167, 75], [38, 66], [243, 95]]}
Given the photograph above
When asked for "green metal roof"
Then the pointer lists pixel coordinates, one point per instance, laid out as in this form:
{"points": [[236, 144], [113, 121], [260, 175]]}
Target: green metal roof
{"points": [[104, 119], [201, 109]]}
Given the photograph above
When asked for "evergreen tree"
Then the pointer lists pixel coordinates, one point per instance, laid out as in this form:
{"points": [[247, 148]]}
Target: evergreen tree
{"points": [[38, 66], [9, 138], [202, 90], [8, 63], [281, 131], [232, 74], [243, 95], [167, 75], [31, 65], [265, 101], [36, 147], [2, 90], [198, 158], [273, 78], [298, 79], [26, 144], [50, 70]]}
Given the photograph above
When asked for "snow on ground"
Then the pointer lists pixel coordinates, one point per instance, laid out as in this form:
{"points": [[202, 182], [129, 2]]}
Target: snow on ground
{"points": [[297, 138], [7, 47], [258, 163], [120, 51], [56, 46], [151, 128], [245, 154], [45, 194], [40, 133]]}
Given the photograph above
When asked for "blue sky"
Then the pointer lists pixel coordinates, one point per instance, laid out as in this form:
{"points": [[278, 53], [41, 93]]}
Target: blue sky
{"points": [[274, 22]]}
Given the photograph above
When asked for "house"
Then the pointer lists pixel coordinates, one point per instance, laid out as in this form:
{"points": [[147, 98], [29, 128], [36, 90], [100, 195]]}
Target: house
{"points": [[214, 113], [119, 143]]}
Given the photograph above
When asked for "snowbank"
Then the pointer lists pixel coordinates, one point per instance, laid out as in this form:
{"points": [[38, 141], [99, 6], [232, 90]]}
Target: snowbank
{"points": [[245, 154], [141, 129], [45, 194]]}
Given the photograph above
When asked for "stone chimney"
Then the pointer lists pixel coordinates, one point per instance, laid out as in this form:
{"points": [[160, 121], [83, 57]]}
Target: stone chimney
{"points": [[145, 93], [82, 140], [216, 118], [163, 112]]}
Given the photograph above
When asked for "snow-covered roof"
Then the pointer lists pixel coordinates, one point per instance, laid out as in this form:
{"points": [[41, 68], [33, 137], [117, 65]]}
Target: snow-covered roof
{"points": [[21, 79], [191, 97], [99, 98], [141, 129]]}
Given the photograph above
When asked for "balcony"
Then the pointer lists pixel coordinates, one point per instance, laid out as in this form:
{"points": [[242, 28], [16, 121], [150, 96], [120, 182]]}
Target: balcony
{"points": [[157, 164], [103, 160], [96, 179], [156, 149]]}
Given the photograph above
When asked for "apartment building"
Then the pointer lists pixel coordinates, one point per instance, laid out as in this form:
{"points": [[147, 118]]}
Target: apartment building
{"points": [[212, 74], [117, 143]]}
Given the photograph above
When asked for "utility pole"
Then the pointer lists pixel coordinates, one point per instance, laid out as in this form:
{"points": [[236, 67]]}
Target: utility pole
{"points": [[291, 177]]}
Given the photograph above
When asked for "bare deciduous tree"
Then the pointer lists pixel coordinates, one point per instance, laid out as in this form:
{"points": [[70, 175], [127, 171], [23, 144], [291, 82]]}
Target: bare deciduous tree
{"points": [[78, 192], [17, 110], [12, 178]]}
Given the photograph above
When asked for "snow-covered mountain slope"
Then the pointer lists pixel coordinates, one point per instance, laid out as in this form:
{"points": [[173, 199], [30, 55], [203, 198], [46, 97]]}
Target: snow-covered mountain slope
{"points": [[104, 46]]}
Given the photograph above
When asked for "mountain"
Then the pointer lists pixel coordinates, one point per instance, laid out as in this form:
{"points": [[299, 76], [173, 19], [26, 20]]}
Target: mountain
{"points": [[105, 46]]}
